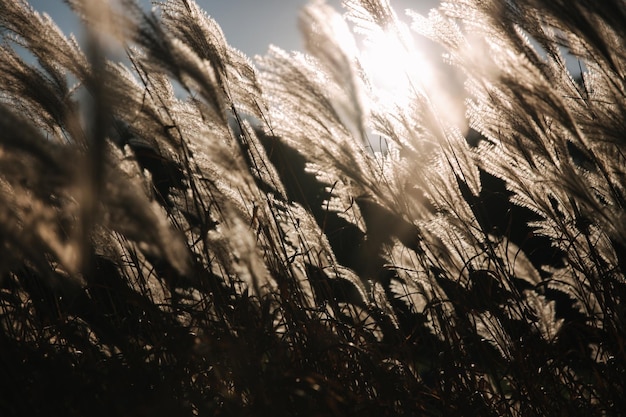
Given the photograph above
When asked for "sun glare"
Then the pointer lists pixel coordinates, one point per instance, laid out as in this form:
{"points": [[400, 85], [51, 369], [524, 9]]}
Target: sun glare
{"points": [[395, 67]]}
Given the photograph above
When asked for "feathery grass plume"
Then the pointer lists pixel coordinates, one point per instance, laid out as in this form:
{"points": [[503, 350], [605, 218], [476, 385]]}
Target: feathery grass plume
{"points": [[186, 232], [328, 39]]}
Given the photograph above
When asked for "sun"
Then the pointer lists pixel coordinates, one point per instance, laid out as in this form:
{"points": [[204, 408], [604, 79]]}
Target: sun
{"points": [[404, 72], [394, 67]]}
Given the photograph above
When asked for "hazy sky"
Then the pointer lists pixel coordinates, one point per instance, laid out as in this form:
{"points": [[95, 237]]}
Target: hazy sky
{"points": [[249, 25]]}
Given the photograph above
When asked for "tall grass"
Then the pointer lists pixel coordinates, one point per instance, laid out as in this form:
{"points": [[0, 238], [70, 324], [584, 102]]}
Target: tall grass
{"points": [[185, 232]]}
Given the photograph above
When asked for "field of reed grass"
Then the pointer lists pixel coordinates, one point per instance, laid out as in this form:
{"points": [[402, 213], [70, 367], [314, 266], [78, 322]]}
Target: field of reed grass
{"points": [[186, 232]]}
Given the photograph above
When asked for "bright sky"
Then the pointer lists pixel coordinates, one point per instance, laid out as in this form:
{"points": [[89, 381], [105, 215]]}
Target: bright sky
{"points": [[249, 25]]}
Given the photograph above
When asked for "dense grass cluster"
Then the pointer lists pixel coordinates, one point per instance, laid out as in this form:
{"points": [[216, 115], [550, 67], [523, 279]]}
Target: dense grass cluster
{"points": [[184, 232]]}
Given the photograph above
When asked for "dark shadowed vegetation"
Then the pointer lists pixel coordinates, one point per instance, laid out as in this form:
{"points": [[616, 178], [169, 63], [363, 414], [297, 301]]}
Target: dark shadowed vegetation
{"points": [[184, 232]]}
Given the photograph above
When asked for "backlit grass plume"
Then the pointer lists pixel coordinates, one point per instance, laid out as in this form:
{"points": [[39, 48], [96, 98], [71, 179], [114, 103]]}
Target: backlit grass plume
{"points": [[336, 232]]}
